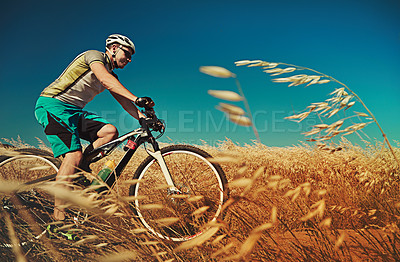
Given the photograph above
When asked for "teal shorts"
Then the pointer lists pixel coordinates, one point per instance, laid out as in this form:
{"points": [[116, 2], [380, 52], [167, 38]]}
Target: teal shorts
{"points": [[65, 124]]}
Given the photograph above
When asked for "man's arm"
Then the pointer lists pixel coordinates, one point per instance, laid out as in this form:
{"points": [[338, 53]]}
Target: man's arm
{"points": [[128, 106], [118, 91], [110, 82]]}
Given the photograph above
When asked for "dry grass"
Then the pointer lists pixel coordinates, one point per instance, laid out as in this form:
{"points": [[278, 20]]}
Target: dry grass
{"points": [[288, 204]]}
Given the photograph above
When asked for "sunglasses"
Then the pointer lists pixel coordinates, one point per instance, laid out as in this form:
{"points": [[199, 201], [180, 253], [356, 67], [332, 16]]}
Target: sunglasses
{"points": [[127, 53]]}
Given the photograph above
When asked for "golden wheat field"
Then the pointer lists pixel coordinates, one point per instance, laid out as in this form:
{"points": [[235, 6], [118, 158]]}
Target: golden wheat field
{"points": [[299, 203]]}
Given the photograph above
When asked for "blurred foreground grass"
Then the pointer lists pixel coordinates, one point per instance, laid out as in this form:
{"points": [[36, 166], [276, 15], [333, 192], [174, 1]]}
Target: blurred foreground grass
{"points": [[297, 203]]}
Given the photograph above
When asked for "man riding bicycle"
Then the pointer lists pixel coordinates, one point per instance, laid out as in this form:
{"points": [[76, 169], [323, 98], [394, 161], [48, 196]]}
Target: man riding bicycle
{"points": [[59, 108]]}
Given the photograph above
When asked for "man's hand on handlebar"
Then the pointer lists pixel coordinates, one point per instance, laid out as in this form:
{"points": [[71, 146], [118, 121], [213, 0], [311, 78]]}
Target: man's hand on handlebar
{"points": [[145, 102], [150, 121]]}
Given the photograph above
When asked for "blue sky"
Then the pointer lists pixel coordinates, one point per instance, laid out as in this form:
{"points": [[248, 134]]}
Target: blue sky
{"points": [[355, 41]]}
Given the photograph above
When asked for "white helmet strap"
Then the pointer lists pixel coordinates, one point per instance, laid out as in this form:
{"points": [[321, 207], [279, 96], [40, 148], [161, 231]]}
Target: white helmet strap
{"points": [[113, 56]]}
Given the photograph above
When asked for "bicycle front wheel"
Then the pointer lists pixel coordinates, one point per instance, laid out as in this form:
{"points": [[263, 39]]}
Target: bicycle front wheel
{"points": [[183, 213]]}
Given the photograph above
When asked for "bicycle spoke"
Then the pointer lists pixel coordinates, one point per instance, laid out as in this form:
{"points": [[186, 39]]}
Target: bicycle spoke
{"points": [[193, 175]]}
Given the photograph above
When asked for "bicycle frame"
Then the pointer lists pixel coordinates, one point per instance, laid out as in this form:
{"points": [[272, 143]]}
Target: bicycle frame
{"points": [[135, 139]]}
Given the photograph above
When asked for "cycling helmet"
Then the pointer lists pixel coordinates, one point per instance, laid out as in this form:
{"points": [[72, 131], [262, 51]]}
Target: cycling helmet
{"points": [[120, 39]]}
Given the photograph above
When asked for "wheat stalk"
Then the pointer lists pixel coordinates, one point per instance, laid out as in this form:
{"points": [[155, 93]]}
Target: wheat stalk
{"points": [[340, 100], [235, 114]]}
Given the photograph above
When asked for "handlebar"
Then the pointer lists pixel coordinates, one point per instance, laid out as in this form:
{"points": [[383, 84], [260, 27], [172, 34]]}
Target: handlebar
{"points": [[154, 124], [151, 121]]}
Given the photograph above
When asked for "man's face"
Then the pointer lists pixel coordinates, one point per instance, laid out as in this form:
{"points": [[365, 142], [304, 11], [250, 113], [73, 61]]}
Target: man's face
{"points": [[123, 56]]}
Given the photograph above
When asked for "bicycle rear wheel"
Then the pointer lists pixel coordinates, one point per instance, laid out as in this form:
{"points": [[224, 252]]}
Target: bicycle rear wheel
{"points": [[183, 214], [29, 211]]}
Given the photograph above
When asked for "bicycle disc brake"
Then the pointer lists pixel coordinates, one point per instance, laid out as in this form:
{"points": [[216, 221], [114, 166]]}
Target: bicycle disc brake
{"points": [[179, 190]]}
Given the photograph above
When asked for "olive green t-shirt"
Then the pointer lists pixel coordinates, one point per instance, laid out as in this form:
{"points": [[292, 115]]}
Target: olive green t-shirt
{"points": [[78, 85]]}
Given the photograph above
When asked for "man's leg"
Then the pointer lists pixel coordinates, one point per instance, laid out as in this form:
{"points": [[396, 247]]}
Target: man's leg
{"points": [[106, 134], [72, 159], [68, 166]]}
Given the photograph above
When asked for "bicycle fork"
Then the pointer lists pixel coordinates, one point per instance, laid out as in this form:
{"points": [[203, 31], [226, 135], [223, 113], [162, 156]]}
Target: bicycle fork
{"points": [[159, 158]]}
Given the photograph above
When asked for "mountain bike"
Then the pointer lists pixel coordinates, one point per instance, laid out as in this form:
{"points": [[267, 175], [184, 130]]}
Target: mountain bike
{"points": [[179, 178]]}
